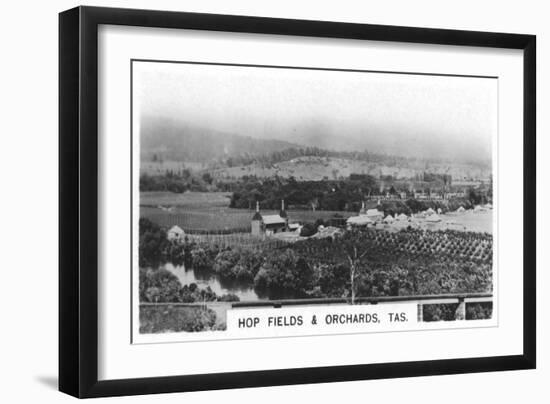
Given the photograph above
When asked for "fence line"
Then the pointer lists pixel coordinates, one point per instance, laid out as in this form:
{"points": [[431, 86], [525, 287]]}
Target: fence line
{"points": [[448, 298], [245, 240], [461, 299]]}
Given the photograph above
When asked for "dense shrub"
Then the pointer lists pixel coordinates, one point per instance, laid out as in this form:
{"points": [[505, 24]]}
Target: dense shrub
{"points": [[152, 244], [175, 252], [439, 312], [285, 271], [175, 319], [334, 280], [229, 297], [479, 311], [200, 259], [158, 286], [238, 264], [225, 262], [192, 293]]}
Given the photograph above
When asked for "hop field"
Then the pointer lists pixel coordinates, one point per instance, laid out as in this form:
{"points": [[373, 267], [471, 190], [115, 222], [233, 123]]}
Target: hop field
{"points": [[446, 244], [442, 246]]}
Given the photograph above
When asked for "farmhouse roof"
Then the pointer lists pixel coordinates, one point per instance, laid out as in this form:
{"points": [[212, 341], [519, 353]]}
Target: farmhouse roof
{"points": [[374, 212], [389, 219], [402, 216], [176, 229], [329, 231], [273, 219], [359, 220], [433, 218]]}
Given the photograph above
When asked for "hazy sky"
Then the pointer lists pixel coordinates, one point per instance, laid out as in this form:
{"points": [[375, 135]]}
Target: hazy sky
{"points": [[411, 115]]}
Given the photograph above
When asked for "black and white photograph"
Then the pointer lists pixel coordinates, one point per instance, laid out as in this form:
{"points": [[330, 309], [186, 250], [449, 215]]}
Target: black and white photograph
{"points": [[275, 202], [346, 201], [249, 201]]}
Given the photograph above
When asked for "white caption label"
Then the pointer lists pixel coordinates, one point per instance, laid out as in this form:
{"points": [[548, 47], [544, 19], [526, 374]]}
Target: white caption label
{"points": [[312, 320]]}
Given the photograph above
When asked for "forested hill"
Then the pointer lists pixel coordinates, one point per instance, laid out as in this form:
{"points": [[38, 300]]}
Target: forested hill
{"points": [[172, 140], [165, 140]]}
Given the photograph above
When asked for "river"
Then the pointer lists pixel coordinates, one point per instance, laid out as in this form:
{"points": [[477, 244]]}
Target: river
{"points": [[208, 278]]}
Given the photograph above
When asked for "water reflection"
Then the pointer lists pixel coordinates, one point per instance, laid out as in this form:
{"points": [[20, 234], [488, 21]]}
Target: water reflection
{"points": [[209, 278]]}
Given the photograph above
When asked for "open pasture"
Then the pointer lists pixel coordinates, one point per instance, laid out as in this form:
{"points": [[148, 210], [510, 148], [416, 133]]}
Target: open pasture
{"points": [[222, 219], [202, 212], [199, 200]]}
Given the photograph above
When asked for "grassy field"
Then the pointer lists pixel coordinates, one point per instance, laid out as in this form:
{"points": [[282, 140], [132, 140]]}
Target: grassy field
{"points": [[209, 211], [202, 200]]}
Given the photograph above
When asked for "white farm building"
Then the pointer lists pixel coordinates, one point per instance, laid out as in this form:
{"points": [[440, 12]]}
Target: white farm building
{"points": [[175, 233]]}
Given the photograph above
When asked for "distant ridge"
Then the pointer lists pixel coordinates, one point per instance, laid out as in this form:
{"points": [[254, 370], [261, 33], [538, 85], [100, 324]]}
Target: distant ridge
{"points": [[169, 139]]}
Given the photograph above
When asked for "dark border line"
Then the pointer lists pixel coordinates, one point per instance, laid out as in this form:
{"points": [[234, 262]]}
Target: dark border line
{"points": [[132, 202], [329, 69], [166, 61]]}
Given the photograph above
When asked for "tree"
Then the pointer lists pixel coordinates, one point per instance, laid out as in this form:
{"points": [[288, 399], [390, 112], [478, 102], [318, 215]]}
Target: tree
{"points": [[152, 244], [284, 272], [207, 177], [158, 285], [352, 246], [308, 229], [225, 262], [200, 259], [354, 259], [333, 279], [474, 197]]}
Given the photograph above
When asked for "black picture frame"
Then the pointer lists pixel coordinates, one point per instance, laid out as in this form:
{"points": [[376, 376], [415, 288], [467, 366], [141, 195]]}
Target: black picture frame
{"points": [[78, 200]]}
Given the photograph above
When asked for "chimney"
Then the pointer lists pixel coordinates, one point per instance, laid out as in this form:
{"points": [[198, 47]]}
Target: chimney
{"points": [[282, 213], [257, 215]]}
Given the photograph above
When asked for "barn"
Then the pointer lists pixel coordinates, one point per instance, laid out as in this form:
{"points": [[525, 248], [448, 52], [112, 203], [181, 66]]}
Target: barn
{"points": [[269, 224]]}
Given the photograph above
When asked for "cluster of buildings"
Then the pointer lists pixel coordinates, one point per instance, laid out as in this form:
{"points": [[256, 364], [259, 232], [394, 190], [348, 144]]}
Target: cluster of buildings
{"points": [[373, 217], [421, 195], [365, 217]]}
